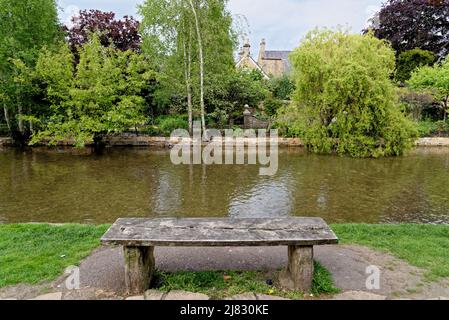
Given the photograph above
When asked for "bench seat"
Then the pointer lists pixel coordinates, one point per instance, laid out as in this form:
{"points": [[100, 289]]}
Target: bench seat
{"points": [[139, 236]]}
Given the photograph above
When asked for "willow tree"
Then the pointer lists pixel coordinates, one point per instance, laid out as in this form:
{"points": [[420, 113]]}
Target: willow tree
{"points": [[25, 26], [347, 101], [192, 38]]}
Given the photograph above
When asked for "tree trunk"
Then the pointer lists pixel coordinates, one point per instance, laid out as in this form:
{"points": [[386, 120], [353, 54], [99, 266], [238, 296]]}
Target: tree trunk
{"points": [[445, 108], [201, 57], [187, 73], [21, 126], [8, 121]]}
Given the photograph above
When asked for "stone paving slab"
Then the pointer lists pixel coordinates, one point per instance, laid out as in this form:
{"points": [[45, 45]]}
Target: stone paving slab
{"points": [[50, 296], [243, 296], [265, 297], [154, 295], [359, 295], [184, 295], [135, 298]]}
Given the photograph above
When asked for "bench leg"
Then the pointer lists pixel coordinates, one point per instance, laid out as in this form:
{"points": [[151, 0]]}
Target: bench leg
{"points": [[300, 267], [139, 268]]}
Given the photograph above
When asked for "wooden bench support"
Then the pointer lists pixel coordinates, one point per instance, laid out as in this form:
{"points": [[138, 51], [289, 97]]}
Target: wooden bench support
{"points": [[300, 267], [139, 268]]}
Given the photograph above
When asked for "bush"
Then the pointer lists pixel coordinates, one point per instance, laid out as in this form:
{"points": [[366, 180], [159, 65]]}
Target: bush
{"points": [[272, 105], [165, 125], [281, 87], [417, 103], [429, 128], [409, 61], [288, 122], [347, 101]]}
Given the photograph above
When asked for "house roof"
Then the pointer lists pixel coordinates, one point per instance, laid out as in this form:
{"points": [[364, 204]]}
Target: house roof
{"points": [[279, 55]]}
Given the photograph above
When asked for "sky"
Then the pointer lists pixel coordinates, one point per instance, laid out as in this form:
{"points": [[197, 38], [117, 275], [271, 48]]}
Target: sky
{"points": [[281, 22]]}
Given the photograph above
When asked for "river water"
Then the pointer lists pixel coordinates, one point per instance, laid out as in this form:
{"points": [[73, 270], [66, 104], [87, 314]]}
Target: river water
{"points": [[69, 185]]}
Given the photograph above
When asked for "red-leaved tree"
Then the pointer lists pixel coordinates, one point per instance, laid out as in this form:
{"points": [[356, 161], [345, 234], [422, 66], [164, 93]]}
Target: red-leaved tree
{"points": [[410, 24], [124, 34]]}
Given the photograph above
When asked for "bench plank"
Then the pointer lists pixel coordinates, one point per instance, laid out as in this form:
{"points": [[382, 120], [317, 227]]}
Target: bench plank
{"points": [[220, 232]]}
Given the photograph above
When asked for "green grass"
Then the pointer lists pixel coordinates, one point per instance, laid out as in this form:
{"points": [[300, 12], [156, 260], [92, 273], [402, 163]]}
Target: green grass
{"points": [[424, 246], [222, 284], [31, 253]]}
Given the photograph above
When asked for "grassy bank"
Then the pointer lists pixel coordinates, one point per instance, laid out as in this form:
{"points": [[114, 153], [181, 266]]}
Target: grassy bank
{"points": [[33, 253], [423, 246]]}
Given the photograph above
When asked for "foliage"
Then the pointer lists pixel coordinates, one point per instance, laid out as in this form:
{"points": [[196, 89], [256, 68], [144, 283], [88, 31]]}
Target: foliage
{"points": [[271, 105], [410, 24], [228, 95], [25, 26], [429, 128], [410, 60], [165, 125], [417, 104], [434, 80], [288, 121], [281, 87], [347, 101], [30, 254], [424, 246], [170, 37], [123, 34], [103, 95]]}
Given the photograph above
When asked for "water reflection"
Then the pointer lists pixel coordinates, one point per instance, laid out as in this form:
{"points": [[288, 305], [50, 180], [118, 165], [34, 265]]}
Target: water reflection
{"points": [[67, 185], [269, 198]]}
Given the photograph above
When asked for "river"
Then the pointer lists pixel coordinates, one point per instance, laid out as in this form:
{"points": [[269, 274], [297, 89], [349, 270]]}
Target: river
{"points": [[69, 185]]}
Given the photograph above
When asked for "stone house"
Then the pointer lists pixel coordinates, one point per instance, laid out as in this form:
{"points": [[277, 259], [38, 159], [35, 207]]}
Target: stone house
{"points": [[270, 63]]}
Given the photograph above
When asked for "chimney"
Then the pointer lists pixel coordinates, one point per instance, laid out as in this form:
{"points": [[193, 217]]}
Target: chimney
{"points": [[262, 51], [246, 52]]}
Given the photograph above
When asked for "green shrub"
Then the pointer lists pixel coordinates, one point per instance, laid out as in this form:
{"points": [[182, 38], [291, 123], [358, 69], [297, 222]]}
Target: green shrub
{"points": [[425, 128], [281, 87], [4, 131], [429, 128], [409, 61], [288, 122], [272, 105], [164, 125]]}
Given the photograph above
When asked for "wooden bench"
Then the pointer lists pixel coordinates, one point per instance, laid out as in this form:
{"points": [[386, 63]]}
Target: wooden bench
{"points": [[140, 236]]}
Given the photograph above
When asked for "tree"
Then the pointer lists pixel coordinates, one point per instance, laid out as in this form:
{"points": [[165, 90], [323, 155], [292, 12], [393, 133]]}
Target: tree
{"points": [[434, 80], [124, 34], [103, 95], [25, 26], [192, 40], [229, 94], [345, 98], [410, 60], [410, 24]]}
